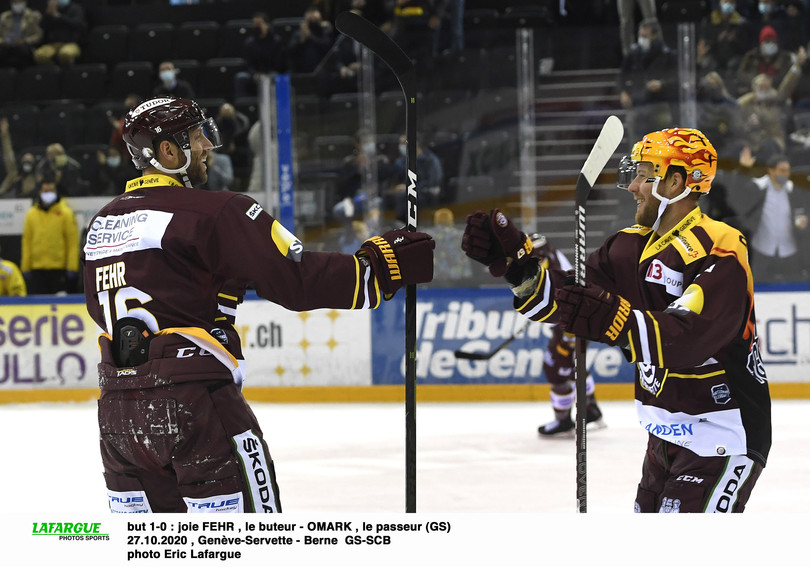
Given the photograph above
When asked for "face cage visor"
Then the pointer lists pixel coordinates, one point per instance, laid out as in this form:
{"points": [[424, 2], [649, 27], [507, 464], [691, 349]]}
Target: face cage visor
{"points": [[209, 129], [626, 172]]}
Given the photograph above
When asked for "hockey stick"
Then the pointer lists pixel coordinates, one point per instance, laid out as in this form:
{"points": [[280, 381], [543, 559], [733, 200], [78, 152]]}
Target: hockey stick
{"points": [[609, 139], [487, 355], [366, 33]]}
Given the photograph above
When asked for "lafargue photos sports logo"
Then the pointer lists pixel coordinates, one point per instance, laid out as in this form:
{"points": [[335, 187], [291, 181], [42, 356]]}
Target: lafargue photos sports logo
{"points": [[71, 531]]}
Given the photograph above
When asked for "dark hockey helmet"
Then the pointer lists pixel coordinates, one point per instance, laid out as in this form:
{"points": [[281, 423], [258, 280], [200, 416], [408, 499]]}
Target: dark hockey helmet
{"points": [[165, 118], [686, 147]]}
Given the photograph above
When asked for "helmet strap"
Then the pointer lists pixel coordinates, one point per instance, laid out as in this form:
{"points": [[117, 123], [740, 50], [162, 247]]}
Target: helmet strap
{"points": [[181, 170], [664, 202]]}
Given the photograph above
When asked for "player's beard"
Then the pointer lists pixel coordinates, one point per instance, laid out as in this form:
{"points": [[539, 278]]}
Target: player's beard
{"points": [[647, 213], [197, 173]]}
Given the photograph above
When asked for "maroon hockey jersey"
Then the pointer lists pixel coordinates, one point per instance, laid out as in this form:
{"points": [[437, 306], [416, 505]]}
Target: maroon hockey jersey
{"points": [[700, 382], [180, 260]]}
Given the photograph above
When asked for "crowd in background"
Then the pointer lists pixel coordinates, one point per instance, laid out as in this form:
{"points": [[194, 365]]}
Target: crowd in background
{"points": [[753, 102]]}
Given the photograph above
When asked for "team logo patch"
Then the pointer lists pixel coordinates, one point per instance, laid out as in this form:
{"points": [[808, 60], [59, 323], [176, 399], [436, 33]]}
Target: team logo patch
{"points": [[755, 365], [651, 378], [254, 211], [721, 394], [501, 220]]}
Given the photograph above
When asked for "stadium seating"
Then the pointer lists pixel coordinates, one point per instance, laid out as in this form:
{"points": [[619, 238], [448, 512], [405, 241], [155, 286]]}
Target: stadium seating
{"points": [[86, 82], [232, 36], [152, 42], [132, 77], [217, 75], [197, 40], [107, 44]]}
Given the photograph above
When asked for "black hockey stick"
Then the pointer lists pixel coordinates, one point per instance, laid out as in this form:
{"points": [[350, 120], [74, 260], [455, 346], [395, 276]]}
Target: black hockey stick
{"points": [[609, 139], [366, 33], [487, 355]]}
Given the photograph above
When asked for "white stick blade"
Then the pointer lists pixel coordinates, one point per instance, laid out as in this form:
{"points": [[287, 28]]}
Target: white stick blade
{"points": [[609, 139]]}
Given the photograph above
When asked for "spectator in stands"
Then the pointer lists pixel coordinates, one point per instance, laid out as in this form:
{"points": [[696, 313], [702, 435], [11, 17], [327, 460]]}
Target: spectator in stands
{"points": [[376, 11], [414, 27], [117, 123], [449, 16], [627, 20], [233, 127], [65, 171], [64, 25], [20, 180], [353, 235], [792, 28], [429, 180], [767, 58], [764, 113], [112, 173], [264, 54], [220, 171], [170, 85], [764, 13], [448, 265], [12, 282], [775, 212], [719, 115], [50, 243], [725, 31], [310, 43], [20, 33], [364, 167], [648, 81]]}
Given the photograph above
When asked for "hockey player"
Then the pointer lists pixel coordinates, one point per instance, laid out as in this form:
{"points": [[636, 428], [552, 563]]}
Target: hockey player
{"points": [[164, 267], [558, 361], [676, 293]]}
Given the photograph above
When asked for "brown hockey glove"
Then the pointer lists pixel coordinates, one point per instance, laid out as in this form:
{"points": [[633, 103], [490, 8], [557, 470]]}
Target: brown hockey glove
{"points": [[398, 258], [492, 239], [593, 313]]}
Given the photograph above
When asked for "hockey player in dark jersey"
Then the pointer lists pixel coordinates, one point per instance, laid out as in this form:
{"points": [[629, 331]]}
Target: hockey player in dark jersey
{"points": [[165, 266], [558, 361], [676, 294]]}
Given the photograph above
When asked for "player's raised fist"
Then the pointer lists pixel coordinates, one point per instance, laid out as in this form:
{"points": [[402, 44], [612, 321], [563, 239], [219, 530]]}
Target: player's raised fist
{"points": [[493, 240]]}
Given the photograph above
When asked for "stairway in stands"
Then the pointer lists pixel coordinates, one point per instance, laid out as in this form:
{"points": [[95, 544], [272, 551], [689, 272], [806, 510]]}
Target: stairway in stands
{"points": [[570, 108]]}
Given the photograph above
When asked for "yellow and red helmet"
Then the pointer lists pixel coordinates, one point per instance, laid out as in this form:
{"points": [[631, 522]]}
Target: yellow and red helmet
{"points": [[686, 147]]}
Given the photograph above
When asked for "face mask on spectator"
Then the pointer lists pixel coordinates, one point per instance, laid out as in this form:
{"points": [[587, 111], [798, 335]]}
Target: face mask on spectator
{"points": [[48, 197], [727, 8], [63, 3], [764, 95], [167, 76], [644, 43], [368, 147], [402, 149], [765, 8], [781, 179], [27, 167], [768, 48], [18, 7], [114, 161]]}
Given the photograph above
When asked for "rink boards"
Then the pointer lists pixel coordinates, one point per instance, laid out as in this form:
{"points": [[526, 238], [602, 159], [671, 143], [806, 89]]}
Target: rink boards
{"points": [[48, 349]]}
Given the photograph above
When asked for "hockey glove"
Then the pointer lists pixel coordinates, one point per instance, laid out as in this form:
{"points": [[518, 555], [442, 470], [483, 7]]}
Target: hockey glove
{"points": [[593, 313], [398, 258], [492, 239]]}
